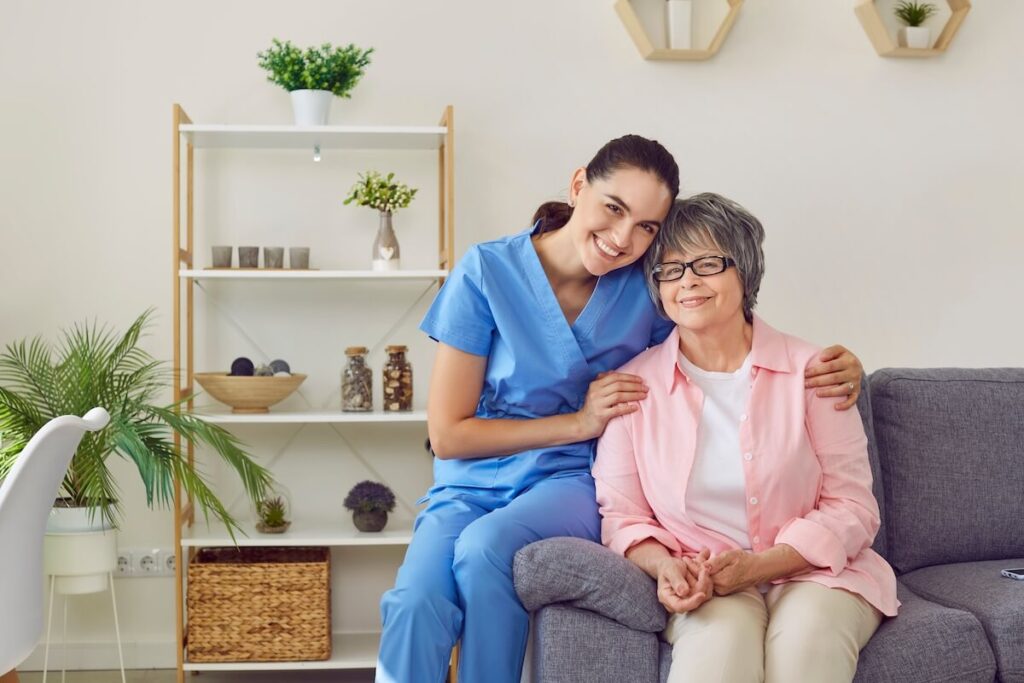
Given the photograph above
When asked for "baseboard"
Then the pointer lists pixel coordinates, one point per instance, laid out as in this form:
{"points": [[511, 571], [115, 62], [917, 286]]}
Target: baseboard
{"points": [[103, 656]]}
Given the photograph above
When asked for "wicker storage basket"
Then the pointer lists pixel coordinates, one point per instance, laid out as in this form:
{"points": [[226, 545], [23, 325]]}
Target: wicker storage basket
{"points": [[259, 605]]}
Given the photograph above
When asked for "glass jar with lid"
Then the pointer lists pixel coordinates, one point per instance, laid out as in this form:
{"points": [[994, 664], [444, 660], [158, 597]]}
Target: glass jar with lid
{"points": [[397, 380], [356, 382]]}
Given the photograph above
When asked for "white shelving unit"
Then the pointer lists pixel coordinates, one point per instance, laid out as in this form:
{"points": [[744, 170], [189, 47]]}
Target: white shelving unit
{"points": [[351, 650], [223, 416], [262, 274]]}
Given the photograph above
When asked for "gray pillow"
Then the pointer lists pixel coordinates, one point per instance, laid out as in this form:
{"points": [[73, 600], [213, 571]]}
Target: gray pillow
{"points": [[587, 575], [951, 448]]}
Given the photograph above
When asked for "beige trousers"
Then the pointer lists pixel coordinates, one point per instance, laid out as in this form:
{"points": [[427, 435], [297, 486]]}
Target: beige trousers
{"points": [[798, 631]]}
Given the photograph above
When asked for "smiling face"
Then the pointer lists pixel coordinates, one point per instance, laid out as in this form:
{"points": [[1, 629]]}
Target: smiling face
{"points": [[616, 217], [700, 303]]}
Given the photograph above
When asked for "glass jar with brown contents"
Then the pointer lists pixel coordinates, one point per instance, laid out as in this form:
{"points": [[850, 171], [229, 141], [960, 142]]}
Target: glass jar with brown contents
{"points": [[397, 380], [356, 382]]}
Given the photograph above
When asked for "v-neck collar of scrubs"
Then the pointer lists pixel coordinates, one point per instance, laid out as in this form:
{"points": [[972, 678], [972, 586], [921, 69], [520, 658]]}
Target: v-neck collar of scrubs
{"points": [[571, 336]]}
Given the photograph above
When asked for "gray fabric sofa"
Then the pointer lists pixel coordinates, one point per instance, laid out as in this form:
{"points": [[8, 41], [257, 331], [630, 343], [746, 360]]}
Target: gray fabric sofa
{"points": [[947, 453]]}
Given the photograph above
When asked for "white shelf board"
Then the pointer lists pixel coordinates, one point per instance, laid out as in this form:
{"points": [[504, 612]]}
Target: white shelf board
{"points": [[303, 532], [262, 274], [305, 137], [224, 416], [348, 651]]}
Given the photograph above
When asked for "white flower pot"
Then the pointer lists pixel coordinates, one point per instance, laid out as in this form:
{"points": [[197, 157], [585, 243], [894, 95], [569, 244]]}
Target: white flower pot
{"points": [[915, 36], [80, 561], [75, 520], [679, 20], [311, 107]]}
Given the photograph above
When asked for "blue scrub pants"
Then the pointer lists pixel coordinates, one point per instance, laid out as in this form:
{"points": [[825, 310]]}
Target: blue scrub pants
{"points": [[456, 581]]}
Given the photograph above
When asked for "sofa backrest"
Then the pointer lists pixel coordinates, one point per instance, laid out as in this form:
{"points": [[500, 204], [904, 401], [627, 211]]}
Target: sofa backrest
{"points": [[951, 449], [864, 406]]}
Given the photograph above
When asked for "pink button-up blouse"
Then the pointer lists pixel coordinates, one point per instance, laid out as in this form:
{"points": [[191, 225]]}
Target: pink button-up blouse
{"points": [[808, 480]]}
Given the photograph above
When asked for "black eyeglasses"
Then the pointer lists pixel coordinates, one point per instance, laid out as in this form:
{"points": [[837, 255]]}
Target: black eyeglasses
{"points": [[708, 265]]}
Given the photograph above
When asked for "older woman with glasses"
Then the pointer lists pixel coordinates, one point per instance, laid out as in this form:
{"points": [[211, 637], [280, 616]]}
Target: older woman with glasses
{"points": [[745, 495]]}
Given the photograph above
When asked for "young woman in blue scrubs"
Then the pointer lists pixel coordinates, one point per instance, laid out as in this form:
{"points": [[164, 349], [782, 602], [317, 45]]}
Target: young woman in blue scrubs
{"points": [[530, 329]]}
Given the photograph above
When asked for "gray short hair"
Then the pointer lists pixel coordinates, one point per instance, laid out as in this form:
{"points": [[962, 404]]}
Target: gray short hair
{"points": [[706, 221]]}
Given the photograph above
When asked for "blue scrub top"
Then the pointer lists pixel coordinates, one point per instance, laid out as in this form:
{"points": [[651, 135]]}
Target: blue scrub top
{"points": [[498, 303]]}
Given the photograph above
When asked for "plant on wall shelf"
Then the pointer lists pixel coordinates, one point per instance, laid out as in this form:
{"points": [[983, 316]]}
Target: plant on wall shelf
{"points": [[370, 503], [914, 13], [335, 69], [93, 367], [380, 192], [273, 515], [386, 195]]}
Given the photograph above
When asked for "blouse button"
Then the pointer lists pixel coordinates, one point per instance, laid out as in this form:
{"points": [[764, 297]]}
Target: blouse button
{"points": [[748, 456], [756, 539], [743, 417], [753, 501]]}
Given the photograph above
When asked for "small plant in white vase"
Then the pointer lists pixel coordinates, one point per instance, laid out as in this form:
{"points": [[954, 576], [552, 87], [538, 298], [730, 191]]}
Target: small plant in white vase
{"points": [[386, 195], [314, 76], [914, 14]]}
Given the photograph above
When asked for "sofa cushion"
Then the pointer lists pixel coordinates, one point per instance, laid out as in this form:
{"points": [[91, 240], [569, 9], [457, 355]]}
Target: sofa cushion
{"points": [[587, 575], [996, 601], [577, 646], [950, 444], [926, 643]]}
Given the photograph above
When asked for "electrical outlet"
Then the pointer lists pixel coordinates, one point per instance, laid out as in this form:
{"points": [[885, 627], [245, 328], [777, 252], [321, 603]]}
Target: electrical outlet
{"points": [[148, 562], [169, 563], [124, 563]]}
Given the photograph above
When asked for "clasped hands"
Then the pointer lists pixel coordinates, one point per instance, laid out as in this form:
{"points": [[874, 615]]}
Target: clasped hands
{"points": [[686, 583]]}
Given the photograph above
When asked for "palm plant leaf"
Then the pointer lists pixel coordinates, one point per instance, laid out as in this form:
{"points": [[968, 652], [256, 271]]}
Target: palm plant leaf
{"points": [[91, 366]]}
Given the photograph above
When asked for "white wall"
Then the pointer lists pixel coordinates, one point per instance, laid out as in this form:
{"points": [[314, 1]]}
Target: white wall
{"points": [[888, 187]]}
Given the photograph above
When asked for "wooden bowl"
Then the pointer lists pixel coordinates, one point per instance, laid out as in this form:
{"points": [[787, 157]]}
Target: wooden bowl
{"points": [[248, 394]]}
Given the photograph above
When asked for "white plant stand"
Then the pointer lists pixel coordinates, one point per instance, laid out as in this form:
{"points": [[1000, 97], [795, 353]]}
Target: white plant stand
{"points": [[79, 563]]}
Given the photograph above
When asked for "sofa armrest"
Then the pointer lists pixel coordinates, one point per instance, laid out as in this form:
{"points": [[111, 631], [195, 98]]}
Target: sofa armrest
{"points": [[588, 576]]}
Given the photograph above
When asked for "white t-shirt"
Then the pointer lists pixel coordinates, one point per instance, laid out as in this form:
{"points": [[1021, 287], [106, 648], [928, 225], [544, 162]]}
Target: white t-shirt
{"points": [[716, 493]]}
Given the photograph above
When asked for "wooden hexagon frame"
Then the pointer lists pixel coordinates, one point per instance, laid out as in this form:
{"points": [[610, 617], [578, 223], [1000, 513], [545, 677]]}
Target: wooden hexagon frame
{"points": [[882, 39], [647, 50]]}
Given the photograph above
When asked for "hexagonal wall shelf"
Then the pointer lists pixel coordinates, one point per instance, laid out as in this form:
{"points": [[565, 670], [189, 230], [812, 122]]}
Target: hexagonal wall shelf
{"points": [[648, 50], [882, 38]]}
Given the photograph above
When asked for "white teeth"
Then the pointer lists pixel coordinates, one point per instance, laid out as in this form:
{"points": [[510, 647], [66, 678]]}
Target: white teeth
{"points": [[603, 246]]}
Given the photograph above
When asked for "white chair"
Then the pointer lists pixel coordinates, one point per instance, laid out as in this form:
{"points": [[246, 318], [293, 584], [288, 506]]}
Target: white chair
{"points": [[26, 497]]}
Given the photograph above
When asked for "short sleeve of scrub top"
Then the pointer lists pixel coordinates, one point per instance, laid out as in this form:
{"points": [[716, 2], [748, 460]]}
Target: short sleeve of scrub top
{"points": [[461, 315]]}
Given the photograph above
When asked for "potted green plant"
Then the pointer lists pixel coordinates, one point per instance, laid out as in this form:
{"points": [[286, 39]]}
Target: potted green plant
{"points": [[914, 14], [90, 367], [387, 196], [370, 503], [273, 516], [314, 76]]}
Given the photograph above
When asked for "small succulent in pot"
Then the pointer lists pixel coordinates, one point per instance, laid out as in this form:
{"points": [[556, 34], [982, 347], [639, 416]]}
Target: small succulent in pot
{"points": [[370, 503], [273, 516]]}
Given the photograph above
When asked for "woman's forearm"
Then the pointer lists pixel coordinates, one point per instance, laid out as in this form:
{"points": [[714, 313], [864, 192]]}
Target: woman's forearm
{"points": [[781, 562], [487, 438], [648, 555]]}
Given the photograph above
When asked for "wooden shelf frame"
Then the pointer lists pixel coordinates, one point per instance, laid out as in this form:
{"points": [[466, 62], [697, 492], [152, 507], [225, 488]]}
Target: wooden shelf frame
{"points": [[635, 28], [187, 137], [884, 42]]}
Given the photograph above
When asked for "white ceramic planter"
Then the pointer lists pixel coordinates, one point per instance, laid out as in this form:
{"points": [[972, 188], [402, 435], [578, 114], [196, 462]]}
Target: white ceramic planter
{"points": [[679, 21], [311, 107], [75, 520], [919, 37], [80, 561]]}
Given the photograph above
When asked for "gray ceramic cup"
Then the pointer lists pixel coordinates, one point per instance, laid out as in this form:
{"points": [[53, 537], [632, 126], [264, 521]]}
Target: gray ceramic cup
{"points": [[222, 256], [248, 257], [298, 258], [273, 257]]}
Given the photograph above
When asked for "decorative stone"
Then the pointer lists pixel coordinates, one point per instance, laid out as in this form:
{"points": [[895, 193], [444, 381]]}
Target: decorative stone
{"points": [[264, 371], [279, 365], [282, 374], [242, 366]]}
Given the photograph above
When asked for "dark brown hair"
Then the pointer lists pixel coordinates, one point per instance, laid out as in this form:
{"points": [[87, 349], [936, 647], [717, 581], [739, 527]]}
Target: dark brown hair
{"points": [[629, 151]]}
